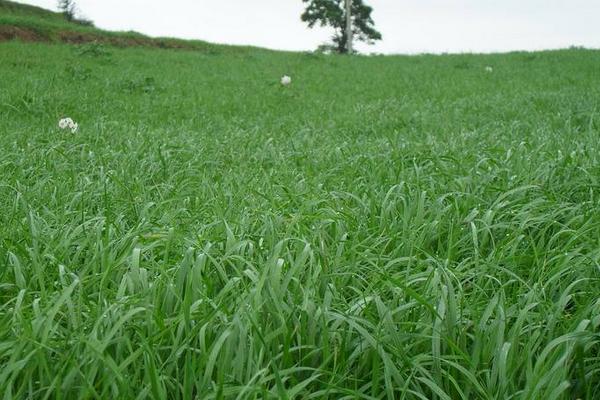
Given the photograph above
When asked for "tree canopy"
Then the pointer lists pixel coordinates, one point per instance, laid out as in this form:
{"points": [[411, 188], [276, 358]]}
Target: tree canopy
{"points": [[333, 13], [68, 8]]}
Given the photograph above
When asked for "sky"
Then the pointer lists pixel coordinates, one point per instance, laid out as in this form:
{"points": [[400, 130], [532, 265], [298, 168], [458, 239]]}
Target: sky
{"points": [[408, 26]]}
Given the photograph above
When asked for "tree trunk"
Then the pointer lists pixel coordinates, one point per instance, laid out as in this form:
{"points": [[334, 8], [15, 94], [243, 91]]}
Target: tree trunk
{"points": [[342, 47], [349, 26]]}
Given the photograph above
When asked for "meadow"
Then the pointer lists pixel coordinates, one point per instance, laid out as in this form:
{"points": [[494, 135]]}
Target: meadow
{"points": [[398, 227]]}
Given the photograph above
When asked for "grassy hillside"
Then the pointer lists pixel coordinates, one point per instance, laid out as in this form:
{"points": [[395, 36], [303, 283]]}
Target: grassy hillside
{"points": [[14, 9], [33, 24], [385, 227]]}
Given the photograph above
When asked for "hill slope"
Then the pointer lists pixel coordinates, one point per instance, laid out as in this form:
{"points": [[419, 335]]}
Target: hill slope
{"points": [[34, 24], [384, 227]]}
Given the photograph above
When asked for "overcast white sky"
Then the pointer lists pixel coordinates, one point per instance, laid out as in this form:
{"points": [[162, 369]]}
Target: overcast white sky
{"points": [[408, 26]]}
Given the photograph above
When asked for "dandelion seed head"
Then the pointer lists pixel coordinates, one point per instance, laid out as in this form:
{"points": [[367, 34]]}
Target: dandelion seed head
{"points": [[68, 123], [65, 123], [286, 80]]}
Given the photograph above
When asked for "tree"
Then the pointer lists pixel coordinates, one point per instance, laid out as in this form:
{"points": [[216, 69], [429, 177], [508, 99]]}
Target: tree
{"points": [[333, 13], [68, 9]]}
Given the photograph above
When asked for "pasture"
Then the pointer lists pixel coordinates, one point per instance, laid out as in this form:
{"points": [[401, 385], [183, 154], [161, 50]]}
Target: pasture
{"points": [[383, 227]]}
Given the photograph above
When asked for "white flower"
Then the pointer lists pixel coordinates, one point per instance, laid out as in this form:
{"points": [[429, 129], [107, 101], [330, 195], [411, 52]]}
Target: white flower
{"points": [[65, 123], [489, 69], [286, 80], [68, 123]]}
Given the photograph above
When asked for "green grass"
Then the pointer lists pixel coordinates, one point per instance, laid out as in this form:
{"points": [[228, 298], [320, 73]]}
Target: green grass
{"points": [[384, 228], [13, 8], [29, 23]]}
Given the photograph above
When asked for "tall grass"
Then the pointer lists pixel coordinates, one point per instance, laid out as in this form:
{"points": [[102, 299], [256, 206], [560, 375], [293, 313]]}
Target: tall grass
{"points": [[385, 227]]}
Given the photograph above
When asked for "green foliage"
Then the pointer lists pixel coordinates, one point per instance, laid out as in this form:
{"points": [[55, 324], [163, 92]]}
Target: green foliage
{"points": [[428, 232], [93, 49], [333, 13]]}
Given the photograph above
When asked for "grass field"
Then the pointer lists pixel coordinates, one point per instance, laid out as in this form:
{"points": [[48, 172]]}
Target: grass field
{"points": [[384, 227]]}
